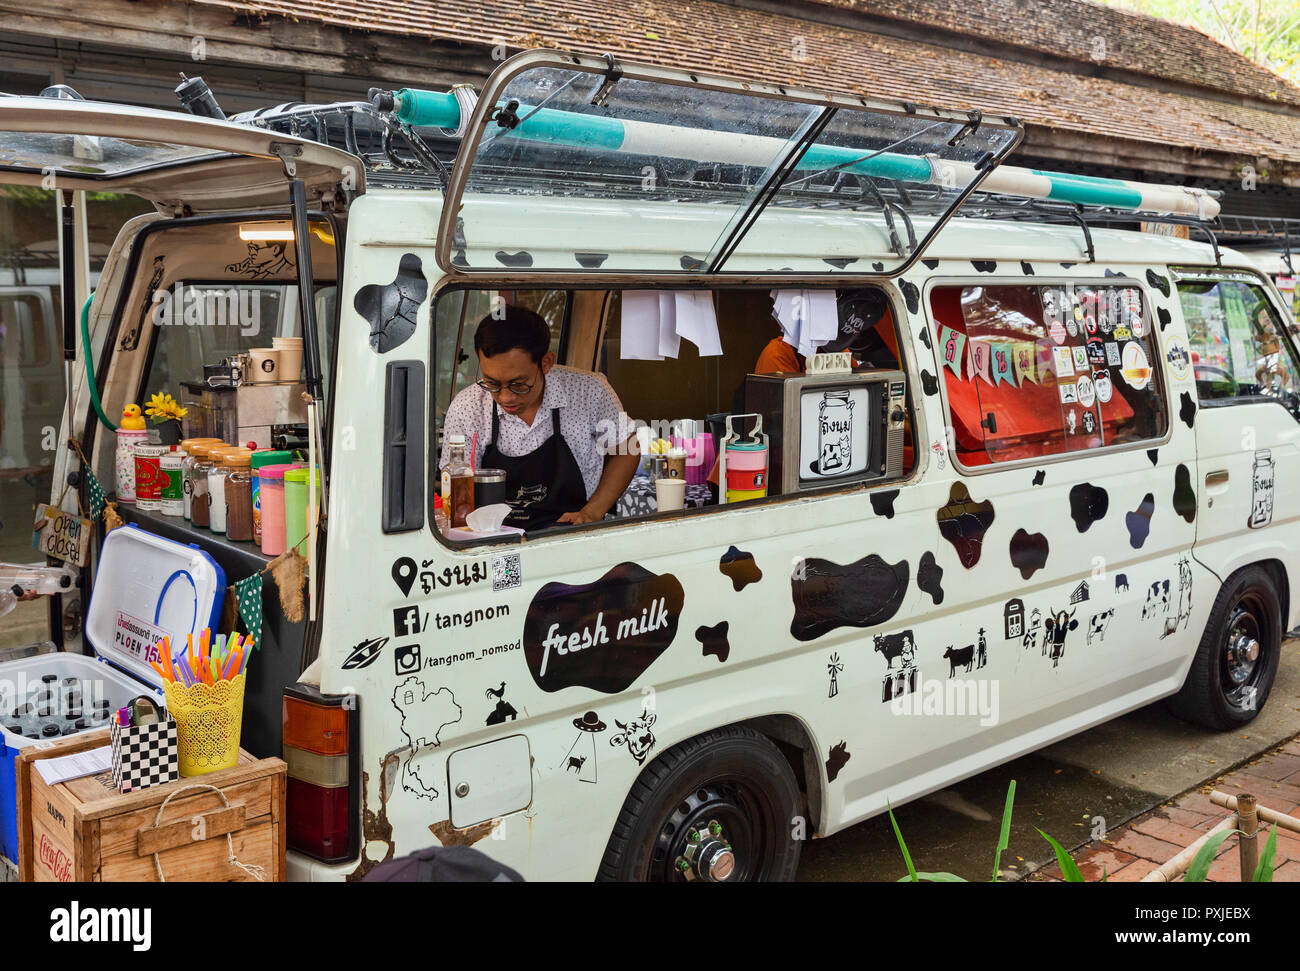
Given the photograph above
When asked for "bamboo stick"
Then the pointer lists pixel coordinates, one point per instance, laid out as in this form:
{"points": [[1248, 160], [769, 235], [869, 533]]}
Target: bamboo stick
{"points": [[1167, 871], [1266, 814], [1247, 844]]}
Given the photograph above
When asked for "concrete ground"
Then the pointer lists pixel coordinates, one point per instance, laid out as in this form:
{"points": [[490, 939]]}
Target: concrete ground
{"points": [[1117, 771]]}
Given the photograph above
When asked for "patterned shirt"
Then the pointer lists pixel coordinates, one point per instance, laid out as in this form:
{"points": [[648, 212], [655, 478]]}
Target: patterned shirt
{"points": [[591, 421]]}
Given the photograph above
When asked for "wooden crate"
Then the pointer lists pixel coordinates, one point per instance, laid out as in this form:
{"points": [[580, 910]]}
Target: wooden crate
{"points": [[84, 830]]}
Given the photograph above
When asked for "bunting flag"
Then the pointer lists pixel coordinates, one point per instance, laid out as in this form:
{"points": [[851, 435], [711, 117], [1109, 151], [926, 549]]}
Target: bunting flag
{"points": [[95, 492], [1024, 358], [952, 346], [1044, 357], [248, 591], [1003, 366], [979, 360]]}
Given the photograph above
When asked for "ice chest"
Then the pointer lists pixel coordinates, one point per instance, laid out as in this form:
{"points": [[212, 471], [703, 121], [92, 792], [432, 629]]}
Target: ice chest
{"points": [[145, 586], [84, 830]]}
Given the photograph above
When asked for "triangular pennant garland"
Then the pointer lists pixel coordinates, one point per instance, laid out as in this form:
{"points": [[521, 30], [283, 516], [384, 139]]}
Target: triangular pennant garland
{"points": [[1003, 365], [96, 494], [249, 593], [952, 345]]}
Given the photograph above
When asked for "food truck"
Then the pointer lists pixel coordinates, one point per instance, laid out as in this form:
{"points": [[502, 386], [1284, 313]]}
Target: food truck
{"points": [[1024, 482]]}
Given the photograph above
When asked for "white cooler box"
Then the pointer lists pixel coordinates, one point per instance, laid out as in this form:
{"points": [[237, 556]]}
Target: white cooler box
{"points": [[146, 588]]}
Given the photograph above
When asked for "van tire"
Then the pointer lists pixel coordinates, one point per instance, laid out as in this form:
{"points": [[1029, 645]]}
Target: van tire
{"points": [[1246, 610], [733, 774]]}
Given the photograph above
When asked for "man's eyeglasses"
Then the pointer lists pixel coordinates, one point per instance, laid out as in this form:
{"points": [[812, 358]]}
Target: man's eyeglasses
{"points": [[516, 387]]}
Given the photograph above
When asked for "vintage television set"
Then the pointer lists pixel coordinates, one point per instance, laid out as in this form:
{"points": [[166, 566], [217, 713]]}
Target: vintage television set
{"points": [[832, 428]]}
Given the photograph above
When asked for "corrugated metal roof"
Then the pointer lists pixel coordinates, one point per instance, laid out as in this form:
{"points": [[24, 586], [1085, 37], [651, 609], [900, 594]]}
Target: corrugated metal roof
{"points": [[746, 42]]}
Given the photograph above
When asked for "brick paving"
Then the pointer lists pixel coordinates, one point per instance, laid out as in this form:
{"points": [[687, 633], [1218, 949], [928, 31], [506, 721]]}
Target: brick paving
{"points": [[1133, 850]]}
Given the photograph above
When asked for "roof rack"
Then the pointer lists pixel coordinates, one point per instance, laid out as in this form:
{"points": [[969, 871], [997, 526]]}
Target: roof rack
{"points": [[1279, 230]]}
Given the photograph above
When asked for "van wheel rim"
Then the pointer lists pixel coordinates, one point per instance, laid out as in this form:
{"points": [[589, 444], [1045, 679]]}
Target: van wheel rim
{"points": [[737, 810], [1243, 650]]}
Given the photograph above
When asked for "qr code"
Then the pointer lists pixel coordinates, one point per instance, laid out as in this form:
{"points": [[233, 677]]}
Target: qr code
{"points": [[506, 572]]}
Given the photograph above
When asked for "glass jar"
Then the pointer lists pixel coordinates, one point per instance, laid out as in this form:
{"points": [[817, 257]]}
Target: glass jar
{"points": [[190, 448], [239, 495], [198, 483], [217, 491]]}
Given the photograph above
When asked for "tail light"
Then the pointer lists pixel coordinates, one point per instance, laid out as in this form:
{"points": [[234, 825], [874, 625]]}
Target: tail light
{"points": [[321, 746]]}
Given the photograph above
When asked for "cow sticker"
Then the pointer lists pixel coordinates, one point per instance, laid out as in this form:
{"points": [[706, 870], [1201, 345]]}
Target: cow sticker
{"points": [[637, 735], [1088, 504], [929, 577], [601, 635], [740, 568], [1261, 503], [827, 595], [713, 641], [1157, 600], [1187, 409], [1028, 552], [899, 652], [580, 760], [1056, 628], [1139, 521], [1098, 624], [1184, 494], [882, 503], [963, 523], [839, 755], [391, 308], [1183, 612]]}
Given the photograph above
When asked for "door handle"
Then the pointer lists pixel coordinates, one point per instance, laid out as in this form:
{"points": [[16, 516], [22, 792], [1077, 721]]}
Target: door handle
{"points": [[1216, 481]]}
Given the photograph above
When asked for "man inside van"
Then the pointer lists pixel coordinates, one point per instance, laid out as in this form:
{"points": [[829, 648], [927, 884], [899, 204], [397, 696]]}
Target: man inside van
{"points": [[548, 427], [866, 328]]}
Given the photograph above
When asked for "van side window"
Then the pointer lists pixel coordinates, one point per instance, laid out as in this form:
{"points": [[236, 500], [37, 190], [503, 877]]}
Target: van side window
{"points": [[1238, 342], [1031, 371]]}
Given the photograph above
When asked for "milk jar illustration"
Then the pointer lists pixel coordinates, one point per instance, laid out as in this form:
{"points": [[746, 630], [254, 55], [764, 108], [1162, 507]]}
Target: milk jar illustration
{"points": [[835, 431], [1261, 506]]}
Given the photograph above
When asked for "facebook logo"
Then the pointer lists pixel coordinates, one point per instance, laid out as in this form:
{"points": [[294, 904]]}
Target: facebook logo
{"points": [[406, 621]]}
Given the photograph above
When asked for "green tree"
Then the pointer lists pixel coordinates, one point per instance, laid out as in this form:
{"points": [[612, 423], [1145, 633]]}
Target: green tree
{"points": [[1265, 31]]}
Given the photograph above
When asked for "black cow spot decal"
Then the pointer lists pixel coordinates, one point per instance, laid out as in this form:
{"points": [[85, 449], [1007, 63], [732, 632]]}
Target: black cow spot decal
{"points": [[390, 308], [1184, 494], [839, 262], [1163, 314], [839, 755], [691, 263], [929, 577], [1139, 521], [925, 337], [739, 567], [863, 593], [1028, 552], [912, 295], [1026, 269], [883, 502], [878, 267], [521, 259], [1153, 454], [984, 266], [963, 523], [713, 641], [604, 634], [928, 381], [1110, 272], [1068, 265], [590, 260], [1088, 504], [1159, 281], [1040, 477], [1187, 410], [932, 264]]}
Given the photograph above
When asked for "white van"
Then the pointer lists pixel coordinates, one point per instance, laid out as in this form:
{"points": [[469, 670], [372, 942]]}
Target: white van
{"points": [[1052, 500]]}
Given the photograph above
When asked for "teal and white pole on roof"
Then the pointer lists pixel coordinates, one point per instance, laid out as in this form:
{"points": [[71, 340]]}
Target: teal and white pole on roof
{"points": [[445, 110]]}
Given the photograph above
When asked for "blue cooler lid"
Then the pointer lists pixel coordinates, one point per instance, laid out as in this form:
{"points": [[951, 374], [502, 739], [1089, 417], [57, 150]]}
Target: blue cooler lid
{"points": [[147, 587]]}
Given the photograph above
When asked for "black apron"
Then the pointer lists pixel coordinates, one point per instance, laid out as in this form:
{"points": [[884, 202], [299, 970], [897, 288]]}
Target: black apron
{"points": [[542, 485]]}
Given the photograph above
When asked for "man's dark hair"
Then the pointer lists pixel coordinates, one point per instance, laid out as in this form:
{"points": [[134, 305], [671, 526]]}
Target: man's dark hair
{"points": [[519, 327]]}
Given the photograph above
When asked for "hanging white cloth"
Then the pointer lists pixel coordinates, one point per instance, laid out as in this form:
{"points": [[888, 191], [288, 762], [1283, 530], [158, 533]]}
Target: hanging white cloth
{"points": [[808, 318], [655, 321]]}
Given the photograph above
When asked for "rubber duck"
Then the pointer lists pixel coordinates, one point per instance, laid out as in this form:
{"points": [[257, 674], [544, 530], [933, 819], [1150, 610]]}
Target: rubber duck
{"points": [[132, 420]]}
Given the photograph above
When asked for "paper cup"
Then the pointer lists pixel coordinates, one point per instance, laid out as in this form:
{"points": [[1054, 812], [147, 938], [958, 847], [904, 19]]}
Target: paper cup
{"points": [[265, 365], [290, 349], [675, 462], [670, 494]]}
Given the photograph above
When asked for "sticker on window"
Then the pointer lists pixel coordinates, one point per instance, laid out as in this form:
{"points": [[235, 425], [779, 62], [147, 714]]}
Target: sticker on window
{"points": [[1087, 393], [1069, 393], [1136, 368], [1064, 357], [1101, 382], [1112, 353]]}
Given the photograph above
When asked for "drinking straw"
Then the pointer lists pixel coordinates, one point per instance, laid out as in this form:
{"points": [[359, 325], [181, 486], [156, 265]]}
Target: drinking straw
{"points": [[167, 653], [158, 667]]}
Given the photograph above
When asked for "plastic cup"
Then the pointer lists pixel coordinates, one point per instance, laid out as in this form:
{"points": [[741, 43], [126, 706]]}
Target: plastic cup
{"points": [[295, 507], [670, 493]]}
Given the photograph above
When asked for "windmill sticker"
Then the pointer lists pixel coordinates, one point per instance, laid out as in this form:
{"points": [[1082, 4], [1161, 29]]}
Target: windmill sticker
{"points": [[834, 666], [581, 757]]}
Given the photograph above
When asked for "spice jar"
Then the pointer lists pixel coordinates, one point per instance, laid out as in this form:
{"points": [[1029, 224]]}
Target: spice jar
{"points": [[217, 490], [148, 478], [190, 448], [171, 485], [198, 482], [239, 494]]}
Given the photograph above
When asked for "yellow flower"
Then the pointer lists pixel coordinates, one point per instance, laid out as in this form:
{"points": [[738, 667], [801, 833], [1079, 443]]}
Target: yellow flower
{"points": [[163, 406]]}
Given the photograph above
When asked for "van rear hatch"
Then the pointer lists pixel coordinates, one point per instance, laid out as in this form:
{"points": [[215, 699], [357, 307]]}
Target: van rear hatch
{"points": [[179, 162]]}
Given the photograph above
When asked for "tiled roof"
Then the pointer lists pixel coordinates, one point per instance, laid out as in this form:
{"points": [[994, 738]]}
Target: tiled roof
{"points": [[745, 42], [1089, 33]]}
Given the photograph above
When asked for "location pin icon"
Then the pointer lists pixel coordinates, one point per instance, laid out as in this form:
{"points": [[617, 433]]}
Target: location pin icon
{"points": [[404, 570]]}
